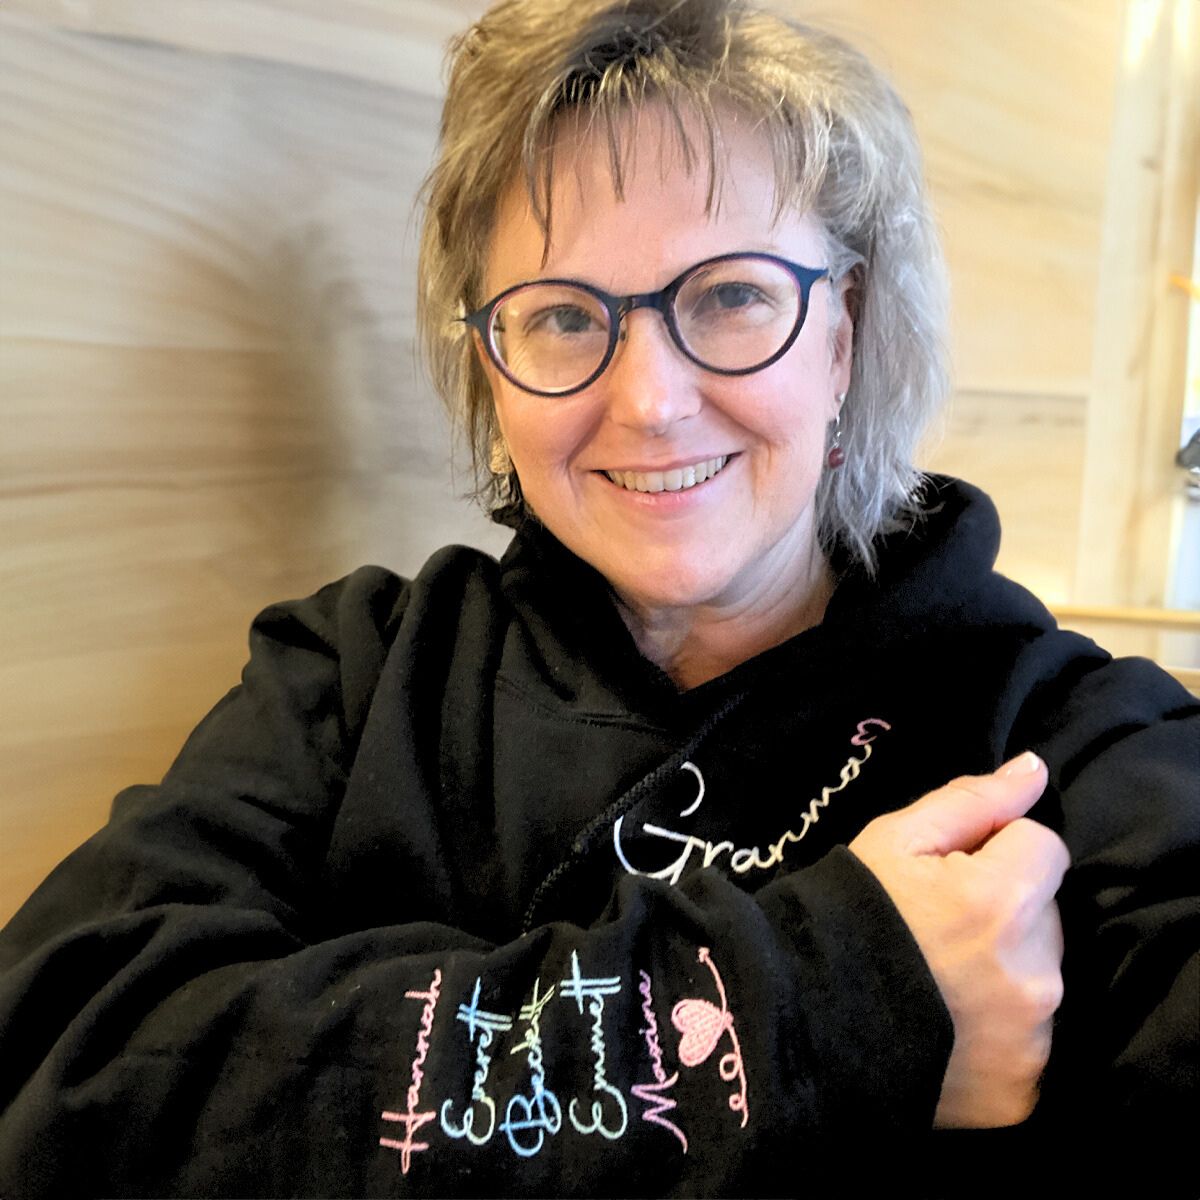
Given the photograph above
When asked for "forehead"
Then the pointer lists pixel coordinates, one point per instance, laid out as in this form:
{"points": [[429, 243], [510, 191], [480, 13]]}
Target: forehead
{"points": [[633, 223]]}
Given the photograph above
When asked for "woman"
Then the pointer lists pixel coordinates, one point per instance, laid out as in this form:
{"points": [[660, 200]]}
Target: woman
{"points": [[629, 864]]}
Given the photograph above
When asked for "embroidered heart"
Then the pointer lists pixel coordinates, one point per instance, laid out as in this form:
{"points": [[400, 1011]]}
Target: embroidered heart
{"points": [[701, 1024]]}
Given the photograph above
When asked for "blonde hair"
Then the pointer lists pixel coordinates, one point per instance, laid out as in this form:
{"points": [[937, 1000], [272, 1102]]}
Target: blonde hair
{"points": [[843, 148]]}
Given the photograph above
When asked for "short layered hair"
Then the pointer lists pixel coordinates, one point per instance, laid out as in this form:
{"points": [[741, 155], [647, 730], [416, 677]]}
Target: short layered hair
{"points": [[843, 149]]}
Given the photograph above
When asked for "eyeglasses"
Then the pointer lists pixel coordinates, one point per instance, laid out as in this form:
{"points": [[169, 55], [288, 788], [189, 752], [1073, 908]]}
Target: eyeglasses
{"points": [[733, 315]]}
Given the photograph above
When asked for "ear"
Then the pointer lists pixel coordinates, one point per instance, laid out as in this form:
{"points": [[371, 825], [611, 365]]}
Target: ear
{"points": [[483, 358], [844, 298]]}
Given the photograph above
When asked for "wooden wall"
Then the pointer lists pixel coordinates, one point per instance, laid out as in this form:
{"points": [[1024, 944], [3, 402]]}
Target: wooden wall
{"points": [[211, 399]]}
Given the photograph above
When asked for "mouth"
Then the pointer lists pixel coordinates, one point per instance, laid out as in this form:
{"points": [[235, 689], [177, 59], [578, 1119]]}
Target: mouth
{"points": [[678, 480]]}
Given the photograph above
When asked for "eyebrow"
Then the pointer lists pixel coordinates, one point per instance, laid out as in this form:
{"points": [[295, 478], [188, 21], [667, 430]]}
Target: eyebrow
{"points": [[612, 289]]}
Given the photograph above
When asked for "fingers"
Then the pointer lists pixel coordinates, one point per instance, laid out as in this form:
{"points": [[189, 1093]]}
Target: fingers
{"points": [[975, 881], [967, 811]]}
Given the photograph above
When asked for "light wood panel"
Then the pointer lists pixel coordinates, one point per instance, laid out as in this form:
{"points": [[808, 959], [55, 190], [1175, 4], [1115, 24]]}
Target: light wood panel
{"points": [[1026, 452], [1133, 493], [1014, 105], [210, 392], [393, 42]]}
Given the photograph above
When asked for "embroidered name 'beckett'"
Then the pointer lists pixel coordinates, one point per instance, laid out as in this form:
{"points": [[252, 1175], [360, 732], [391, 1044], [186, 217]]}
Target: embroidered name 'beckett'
{"points": [[529, 1119]]}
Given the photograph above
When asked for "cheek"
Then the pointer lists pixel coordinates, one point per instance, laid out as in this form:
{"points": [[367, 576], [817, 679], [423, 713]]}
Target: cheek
{"points": [[544, 442], [791, 410]]}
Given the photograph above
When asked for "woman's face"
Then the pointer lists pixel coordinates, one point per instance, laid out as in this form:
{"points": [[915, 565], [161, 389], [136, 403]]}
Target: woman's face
{"points": [[748, 532]]}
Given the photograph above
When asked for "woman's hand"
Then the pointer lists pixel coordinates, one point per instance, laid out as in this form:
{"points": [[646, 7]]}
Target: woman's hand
{"points": [[975, 882]]}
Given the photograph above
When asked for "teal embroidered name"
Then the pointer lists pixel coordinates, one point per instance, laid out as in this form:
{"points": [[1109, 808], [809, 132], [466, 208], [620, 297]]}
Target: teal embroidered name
{"points": [[487, 1025], [579, 989]]}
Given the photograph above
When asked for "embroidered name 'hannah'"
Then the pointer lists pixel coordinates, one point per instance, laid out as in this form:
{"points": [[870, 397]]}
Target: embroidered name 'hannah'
{"points": [[487, 1024], [538, 1114], [701, 1024], [749, 857], [593, 991], [653, 1094], [410, 1118]]}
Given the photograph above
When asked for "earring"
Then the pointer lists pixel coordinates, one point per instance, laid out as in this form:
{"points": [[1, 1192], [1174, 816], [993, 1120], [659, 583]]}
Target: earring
{"points": [[837, 455], [499, 461]]}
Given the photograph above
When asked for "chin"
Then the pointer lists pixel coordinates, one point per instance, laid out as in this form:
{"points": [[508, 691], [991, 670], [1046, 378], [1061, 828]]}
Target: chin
{"points": [[667, 586]]}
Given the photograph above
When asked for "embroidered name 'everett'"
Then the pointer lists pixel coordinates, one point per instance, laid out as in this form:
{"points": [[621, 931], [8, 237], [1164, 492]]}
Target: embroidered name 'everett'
{"points": [[487, 1025], [748, 857], [411, 1119]]}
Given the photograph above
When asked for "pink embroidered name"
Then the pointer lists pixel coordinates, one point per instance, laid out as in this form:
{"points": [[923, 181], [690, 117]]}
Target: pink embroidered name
{"points": [[650, 1094], [748, 857], [701, 1025], [411, 1119]]}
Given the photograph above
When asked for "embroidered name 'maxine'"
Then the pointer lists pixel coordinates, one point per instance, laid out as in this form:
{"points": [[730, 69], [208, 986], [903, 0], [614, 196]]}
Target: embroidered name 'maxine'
{"points": [[750, 857], [411, 1119], [653, 1095]]}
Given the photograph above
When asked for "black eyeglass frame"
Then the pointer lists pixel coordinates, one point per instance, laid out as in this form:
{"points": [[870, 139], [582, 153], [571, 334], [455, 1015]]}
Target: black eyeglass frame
{"points": [[617, 307]]}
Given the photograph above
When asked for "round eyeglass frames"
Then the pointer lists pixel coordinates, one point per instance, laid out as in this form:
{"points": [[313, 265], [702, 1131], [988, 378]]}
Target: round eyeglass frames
{"points": [[733, 314]]}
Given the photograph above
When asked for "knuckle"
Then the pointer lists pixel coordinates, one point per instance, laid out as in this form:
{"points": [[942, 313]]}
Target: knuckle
{"points": [[1021, 895], [1041, 996]]}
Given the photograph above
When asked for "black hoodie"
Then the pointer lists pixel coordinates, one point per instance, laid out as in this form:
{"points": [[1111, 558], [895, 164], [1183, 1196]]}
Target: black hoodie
{"points": [[458, 894]]}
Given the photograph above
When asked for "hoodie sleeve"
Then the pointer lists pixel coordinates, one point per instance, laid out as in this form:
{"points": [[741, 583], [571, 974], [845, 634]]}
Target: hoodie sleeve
{"points": [[175, 1017], [1123, 742]]}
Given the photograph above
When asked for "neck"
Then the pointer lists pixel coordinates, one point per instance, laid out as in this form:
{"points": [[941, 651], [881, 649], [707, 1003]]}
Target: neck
{"points": [[697, 643]]}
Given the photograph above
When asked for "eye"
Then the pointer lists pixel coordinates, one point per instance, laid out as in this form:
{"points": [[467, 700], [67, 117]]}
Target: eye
{"points": [[561, 320], [728, 296], [727, 304], [734, 297]]}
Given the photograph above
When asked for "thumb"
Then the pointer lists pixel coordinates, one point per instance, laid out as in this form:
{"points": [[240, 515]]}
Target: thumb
{"points": [[964, 813]]}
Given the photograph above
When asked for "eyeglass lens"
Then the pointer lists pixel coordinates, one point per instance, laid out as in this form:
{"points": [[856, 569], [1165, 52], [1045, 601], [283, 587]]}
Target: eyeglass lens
{"points": [[732, 315]]}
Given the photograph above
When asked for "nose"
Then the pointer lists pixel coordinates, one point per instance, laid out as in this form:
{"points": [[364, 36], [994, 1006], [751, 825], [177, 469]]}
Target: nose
{"points": [[650, 385]]}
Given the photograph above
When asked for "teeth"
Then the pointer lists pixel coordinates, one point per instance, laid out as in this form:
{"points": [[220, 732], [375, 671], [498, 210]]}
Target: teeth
{"points": [[668, 481]]}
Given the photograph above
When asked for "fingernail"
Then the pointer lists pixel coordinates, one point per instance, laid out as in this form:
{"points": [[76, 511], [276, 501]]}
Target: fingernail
{"points": [[1023, 764]]}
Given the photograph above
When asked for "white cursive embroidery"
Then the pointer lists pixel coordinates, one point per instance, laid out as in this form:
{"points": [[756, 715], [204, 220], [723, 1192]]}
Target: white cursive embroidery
{"points": [[748, 857]]}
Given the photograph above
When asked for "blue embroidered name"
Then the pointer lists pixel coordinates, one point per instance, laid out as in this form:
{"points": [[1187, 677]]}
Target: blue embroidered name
{"points": [[534, 1116], [486, 1024]]}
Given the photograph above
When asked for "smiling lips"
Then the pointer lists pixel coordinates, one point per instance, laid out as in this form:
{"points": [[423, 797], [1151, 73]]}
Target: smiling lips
{"points": [[678, 480]]}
